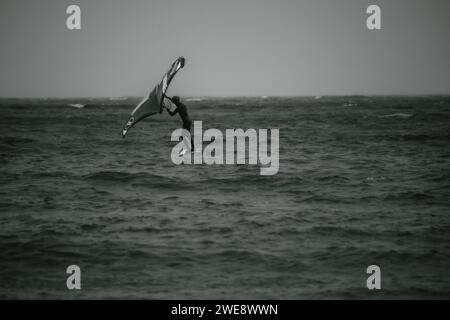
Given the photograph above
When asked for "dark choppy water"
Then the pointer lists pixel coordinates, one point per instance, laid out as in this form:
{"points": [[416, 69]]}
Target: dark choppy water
{"points": [[363, 180]]}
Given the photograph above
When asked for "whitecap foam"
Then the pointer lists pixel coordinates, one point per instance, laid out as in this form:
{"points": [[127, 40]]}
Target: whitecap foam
{"points": [[77, 105], [397, 115]]}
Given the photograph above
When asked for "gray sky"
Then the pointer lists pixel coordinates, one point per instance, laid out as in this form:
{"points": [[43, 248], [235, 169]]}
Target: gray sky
{"points": [[233, 47]]}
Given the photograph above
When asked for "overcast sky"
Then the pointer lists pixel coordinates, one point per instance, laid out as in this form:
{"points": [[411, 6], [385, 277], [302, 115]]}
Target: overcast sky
{"points": [[232, 47]]}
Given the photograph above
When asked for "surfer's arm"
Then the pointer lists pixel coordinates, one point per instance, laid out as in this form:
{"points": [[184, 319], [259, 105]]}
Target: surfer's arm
{"points": [[172, 113], [168, 98]]}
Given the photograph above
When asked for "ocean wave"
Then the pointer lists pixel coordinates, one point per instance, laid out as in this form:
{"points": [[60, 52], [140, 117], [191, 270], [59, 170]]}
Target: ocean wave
{"points": [[411, 137], [420, 137], [107, 176], [333, 178], [343, 231], [244, 179], [236, 255], [121, 176], [397, 115], [140, 179], [409, 195], [16, 141], [195, 99], [77, 105]]}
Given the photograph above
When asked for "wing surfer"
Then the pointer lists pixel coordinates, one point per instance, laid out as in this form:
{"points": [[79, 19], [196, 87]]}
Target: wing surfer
{"points": [[181, 109]]}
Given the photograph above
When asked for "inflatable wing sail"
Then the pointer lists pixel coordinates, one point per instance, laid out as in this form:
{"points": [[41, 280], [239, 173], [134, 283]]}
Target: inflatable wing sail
{"points": [[153, 103]]}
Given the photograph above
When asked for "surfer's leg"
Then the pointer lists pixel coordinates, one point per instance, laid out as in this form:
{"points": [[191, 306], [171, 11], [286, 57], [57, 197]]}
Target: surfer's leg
{"points": [[187, 146], [192, 137], [187, 142], [187, 126]]}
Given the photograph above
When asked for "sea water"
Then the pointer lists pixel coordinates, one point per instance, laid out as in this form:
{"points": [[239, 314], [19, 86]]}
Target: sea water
{"points": [[361, 181]]}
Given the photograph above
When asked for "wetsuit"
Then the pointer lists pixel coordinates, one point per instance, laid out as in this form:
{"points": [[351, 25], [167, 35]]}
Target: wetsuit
{"points": [[182, 111]]}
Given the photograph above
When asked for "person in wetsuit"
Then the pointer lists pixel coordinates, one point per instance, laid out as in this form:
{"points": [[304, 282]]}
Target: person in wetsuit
{"points": [[182, 111]]}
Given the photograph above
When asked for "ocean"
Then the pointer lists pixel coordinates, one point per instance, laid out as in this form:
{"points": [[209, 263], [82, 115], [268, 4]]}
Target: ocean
{"points": [[363, 180]]}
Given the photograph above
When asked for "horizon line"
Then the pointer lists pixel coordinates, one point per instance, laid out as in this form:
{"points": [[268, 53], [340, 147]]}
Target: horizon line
{"points": [[235, 96]]}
